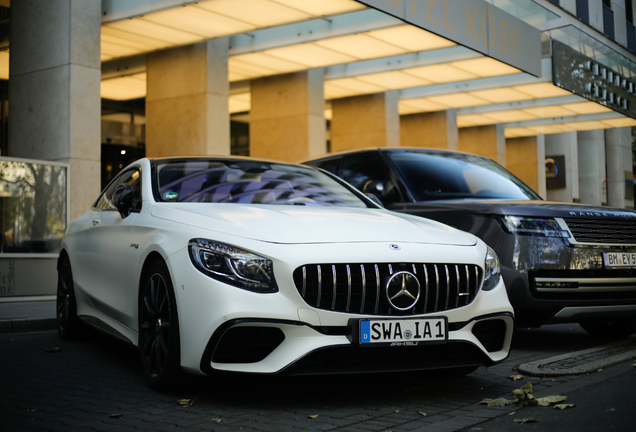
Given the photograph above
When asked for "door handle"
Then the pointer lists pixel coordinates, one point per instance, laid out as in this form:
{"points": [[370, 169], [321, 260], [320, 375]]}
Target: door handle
{"points": [[96, 222]]}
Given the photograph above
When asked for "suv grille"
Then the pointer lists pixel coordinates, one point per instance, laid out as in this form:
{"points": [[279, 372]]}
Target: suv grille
{"points": [[360, 288], [603, 230]]}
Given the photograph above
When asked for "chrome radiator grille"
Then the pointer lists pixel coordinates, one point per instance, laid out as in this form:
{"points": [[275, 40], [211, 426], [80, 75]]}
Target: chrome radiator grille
{"points": [[360, 288], [602, 230]]}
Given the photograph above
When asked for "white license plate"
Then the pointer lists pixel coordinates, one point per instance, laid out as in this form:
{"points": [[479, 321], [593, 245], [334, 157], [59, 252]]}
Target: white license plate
{"points": [[403, 332], [619, 259]]}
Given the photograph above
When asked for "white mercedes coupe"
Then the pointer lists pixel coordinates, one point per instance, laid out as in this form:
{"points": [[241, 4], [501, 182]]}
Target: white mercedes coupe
{"points": [[213, 264]]}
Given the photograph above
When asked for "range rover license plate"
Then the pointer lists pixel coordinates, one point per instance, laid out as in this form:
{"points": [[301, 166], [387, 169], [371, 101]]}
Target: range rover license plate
{"points": [[619, 259], [403, 332]]}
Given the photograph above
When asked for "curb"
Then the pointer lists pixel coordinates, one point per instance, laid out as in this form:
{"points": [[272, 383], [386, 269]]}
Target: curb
{"points": [[27, 325], [581, 362]]}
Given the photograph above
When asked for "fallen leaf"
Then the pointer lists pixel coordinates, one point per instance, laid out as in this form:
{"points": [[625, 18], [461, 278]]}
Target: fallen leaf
{"points": [[564, 406], [32, 409], [495, 402], [423, 414], [545, 401], [116, 416], [186, 402], [516, 377], [313, 416], [526, 389], [512, 413], [54, 350], [600, 370], [217, 420], [526, 420]]}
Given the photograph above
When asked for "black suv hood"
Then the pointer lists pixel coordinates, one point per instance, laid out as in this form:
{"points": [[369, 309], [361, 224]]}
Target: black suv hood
{"points": [[518, 208]]}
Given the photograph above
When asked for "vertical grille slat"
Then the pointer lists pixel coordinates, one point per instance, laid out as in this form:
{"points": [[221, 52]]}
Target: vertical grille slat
{"points": [[351, 287]]}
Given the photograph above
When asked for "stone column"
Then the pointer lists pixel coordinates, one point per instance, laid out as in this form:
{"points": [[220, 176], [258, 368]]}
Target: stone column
{"points": [[435, 129], [591, 149], [564, 144], [525, 158], [187, 100], [489, 141], [54, 90], [618, 151], [287, 118], [365, 121]]}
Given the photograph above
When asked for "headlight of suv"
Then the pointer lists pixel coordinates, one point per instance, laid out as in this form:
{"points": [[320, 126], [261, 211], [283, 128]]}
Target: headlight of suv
{"points": [[542, 227], [233, 266], [493, 272]]}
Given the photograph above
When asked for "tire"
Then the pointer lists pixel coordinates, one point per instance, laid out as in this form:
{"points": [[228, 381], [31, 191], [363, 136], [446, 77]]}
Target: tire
{"points": [[159, 344], [68, 323], [610, 327]]}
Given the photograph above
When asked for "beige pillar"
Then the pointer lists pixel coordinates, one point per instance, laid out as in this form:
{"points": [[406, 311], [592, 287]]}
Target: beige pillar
{"points": [[489, 141], [591, 155], [287, 118], [525, 158], [365, 121], [187, 100], [618, 150], [435, 129], [565, 144], [54, 95]]}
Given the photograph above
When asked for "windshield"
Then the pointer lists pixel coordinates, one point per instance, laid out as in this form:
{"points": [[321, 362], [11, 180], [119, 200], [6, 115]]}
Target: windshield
{"points": [[444, 176], [248, 182]]}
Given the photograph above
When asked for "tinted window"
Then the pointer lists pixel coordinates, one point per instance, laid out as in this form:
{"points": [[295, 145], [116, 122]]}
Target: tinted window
{"points": [[252, 182], [130, 177], [366, 172], [436, 176]]}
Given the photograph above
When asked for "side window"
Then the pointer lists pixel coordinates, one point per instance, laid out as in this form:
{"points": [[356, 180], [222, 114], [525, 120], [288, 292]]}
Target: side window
{"points": [[131, 177], [366, 172], [331, 165]]}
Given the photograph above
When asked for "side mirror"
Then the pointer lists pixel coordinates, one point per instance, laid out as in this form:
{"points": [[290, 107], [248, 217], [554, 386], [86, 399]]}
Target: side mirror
{"points": [[122, 198], [375, 199]]}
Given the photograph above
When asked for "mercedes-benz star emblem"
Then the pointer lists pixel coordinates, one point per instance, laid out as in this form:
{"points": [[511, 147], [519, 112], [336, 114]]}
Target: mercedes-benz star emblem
{"points": [[403, 290], [394, 246]]}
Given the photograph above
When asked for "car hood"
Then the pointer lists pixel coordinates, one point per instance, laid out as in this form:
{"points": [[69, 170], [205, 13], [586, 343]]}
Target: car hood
{"points": [[309, 224], [520, 208]]}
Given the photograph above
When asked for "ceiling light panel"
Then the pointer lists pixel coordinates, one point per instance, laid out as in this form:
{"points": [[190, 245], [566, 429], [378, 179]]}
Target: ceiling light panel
{"points": [[542, 90], [474, 120], [260, 13], [586, 108], [323, 7], [419, 105], [519, 132], [485, 67], [410, 38], [393, 80], [550, 129], [169, 35], [124, 88], [309, 55], [260, 64], [588, 125], [458, 100], [349, 87], [4, 65], [550, 111], [509, 116], [241, 102], [621, 122], [360, 46], [501, 95], [440, 73]]}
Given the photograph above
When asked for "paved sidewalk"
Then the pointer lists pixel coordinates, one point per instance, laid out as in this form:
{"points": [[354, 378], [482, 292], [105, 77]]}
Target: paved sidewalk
{"points": [[27, 316]]}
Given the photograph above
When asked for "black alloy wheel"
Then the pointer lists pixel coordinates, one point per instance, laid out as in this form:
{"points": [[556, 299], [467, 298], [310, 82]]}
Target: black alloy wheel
{"points": [[68, 324], [159, 328]]}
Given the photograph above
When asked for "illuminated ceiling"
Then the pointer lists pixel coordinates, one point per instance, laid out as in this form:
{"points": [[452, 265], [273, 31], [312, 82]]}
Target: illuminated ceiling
{"points": [[363, 52]]}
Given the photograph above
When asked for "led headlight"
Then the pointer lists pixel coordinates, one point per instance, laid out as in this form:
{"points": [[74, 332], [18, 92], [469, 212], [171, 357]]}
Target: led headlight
{"points": [[492, 270], [542, 227], [233, 266]]}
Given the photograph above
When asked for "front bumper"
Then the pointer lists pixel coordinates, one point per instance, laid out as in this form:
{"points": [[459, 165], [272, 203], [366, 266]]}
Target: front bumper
{"points": [[224, 328]]}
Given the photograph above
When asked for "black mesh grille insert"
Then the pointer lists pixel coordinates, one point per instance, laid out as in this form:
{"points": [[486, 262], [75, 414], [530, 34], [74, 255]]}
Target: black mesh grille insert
{"points": [[360, 288], [603, 230], [491, 334]]}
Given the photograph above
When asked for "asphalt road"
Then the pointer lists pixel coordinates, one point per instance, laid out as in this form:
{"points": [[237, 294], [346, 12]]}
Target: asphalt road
{"points": [[97, 384]]}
